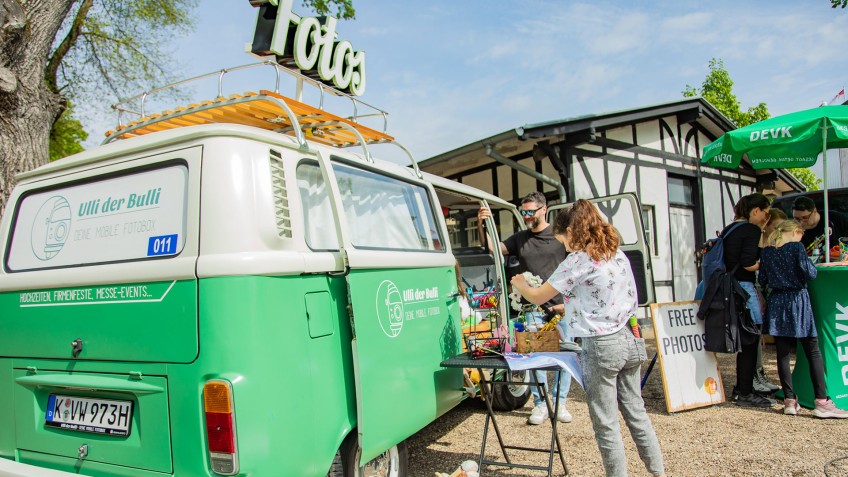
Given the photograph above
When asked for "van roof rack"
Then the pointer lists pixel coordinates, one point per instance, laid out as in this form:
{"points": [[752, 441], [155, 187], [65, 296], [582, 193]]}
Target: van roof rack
{"points": [[266, 110]]}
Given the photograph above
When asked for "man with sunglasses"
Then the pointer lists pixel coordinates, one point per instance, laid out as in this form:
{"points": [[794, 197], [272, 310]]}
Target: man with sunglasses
{"points": [[538, 252], [805, 212]]}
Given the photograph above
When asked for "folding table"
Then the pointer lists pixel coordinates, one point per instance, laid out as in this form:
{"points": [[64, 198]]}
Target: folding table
{"points": [[487, 388]]}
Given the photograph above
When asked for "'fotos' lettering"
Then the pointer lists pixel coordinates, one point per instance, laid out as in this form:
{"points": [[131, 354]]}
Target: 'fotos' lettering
{"points": [[310, 45]]}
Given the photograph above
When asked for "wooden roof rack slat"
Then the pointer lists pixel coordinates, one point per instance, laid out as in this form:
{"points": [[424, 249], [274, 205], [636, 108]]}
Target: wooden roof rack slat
{"points": [[265, 110], [258, 110]]}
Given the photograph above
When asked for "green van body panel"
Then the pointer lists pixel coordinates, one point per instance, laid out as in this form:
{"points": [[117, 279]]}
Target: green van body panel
{"points": [[147, 446], [7, 411], [284, 381], [400, 385], [297, 390], [154, 322], [72, 465]]}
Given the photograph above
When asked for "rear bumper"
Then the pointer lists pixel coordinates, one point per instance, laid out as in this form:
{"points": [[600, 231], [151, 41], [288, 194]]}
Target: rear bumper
{"points": [[10, 468]]}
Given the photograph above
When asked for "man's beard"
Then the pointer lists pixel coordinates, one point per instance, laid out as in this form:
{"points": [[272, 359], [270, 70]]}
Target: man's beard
{"points": [[532, 223]]}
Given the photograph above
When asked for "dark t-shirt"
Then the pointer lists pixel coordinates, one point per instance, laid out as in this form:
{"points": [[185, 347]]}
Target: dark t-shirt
{"points": [[537, 253], [838, 228], [742, 247]]}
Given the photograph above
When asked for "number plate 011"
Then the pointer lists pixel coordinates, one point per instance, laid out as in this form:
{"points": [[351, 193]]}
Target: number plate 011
{"points": [[101, 416]]}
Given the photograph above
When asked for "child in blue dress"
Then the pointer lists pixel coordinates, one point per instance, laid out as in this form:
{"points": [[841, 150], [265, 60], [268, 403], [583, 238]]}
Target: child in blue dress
{"points": [[786, 269]]}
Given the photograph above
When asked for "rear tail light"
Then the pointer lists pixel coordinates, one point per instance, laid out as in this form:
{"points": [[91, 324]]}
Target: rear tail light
{"points": [[220, 426]]}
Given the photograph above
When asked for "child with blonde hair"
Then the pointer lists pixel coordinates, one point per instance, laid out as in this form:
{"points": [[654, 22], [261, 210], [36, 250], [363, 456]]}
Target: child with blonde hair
{"points": [[786, 269]]}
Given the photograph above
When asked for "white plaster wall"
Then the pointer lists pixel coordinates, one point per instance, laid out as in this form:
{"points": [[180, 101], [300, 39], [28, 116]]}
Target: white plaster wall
{"points": [[622, 134], [526, 183], [504, 182], [689, 148], [702, 141], [481, 180], [670, 140], [648, 135], [714, 216], [664, 294], [654, 191]]}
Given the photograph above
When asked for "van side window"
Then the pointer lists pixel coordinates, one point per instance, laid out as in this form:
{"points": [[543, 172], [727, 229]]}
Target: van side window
{"points": [[387, 213], [316, 208]]}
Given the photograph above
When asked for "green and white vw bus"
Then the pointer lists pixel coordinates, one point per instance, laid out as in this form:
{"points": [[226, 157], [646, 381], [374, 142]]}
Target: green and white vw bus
{"points": [[225, 289]]}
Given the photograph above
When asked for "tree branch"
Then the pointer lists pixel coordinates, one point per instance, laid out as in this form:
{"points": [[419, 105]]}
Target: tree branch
{"points": [[67, 43]]}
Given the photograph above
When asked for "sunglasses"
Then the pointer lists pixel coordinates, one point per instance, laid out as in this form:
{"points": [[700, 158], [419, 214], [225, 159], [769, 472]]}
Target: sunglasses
{"points": [[528, 213], [800, 217]]}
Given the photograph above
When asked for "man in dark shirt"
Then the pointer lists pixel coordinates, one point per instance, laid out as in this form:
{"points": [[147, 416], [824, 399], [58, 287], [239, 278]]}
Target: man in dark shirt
{"points": [[804, 211], [539, 253]]}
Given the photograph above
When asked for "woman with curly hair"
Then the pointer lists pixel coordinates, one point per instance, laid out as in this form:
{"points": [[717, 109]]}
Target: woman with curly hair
{"points": [[599, 294]]}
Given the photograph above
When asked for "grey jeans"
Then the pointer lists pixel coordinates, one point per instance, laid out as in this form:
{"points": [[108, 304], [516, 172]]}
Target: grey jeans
{"points": [[611, 373]]}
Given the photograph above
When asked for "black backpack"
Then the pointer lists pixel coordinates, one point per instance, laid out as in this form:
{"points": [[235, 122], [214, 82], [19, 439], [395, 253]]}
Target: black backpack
{"points": [[727, 320], [709, 257]]}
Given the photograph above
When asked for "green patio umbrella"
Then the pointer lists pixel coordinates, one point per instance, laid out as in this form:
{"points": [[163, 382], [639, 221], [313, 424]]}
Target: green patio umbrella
{"points": [[791, 140]]}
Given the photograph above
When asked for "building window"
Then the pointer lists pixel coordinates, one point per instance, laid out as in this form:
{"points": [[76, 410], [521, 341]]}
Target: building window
{"points": [[680, 191], [649, 224]]}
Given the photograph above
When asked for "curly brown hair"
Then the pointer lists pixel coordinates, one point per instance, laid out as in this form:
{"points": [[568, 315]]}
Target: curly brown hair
{"points": [[588, 231]]}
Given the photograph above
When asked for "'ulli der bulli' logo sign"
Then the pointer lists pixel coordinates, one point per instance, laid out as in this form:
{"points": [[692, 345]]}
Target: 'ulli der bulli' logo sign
{"points": [[308, 44]]}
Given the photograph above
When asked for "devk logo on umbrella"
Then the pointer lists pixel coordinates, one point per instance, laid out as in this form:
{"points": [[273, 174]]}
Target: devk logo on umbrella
{"points": [[775, 133]]}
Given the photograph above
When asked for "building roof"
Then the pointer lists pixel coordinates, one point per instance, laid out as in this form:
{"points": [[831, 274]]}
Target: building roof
{"points": [[519, 142]]}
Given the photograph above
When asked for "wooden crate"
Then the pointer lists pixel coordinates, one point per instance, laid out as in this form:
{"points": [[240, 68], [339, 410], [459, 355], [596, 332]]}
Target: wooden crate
{"points": [[532, 341]]}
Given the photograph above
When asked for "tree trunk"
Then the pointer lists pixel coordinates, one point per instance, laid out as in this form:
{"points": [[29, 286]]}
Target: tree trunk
{"points": [[27, 107]]}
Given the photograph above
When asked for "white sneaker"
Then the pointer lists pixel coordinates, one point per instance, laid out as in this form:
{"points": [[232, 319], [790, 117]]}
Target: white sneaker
{"points": [[539, 415], [760, 376], [563, 415]]}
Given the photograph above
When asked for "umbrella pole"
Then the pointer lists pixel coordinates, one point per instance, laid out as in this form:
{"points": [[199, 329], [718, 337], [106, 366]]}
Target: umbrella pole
{"points": [[826, 227]]}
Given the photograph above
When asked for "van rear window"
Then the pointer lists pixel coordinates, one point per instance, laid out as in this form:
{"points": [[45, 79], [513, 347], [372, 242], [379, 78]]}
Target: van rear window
{"points": [[134, 216]]}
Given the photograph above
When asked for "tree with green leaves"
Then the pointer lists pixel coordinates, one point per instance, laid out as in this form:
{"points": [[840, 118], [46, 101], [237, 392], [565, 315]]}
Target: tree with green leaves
{"points": [[344, 8], [838, 3], [88, 51], [717, 88], [67, 136], [91, 52]]}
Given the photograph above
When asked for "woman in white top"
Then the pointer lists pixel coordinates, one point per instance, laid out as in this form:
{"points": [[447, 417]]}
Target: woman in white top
{"points": [[599, 295]]}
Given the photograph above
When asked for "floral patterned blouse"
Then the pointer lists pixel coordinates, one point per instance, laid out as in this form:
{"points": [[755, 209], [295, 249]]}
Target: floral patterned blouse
{"points": [[599, 296]]}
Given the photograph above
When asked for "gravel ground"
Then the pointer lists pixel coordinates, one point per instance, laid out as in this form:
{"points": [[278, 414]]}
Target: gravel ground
{"points": [[722, 440]]}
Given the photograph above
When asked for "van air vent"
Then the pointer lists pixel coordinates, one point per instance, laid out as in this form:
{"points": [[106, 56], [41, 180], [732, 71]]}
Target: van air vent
{"points": [[281, 197]]}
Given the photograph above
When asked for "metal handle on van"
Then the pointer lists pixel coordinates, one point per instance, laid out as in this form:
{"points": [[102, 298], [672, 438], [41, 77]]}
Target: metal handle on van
{"points": [[77, 345], [97, 383], [342, 273]]}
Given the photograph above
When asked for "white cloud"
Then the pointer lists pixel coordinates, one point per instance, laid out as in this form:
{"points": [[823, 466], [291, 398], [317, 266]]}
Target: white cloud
{"points": [[450, 73]]}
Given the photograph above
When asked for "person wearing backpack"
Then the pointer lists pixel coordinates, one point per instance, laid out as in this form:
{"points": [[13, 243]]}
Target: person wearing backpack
{"points": [[742, 247]]}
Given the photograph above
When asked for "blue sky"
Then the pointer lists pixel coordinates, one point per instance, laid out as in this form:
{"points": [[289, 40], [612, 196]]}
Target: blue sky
{"points": [[453, 72]]}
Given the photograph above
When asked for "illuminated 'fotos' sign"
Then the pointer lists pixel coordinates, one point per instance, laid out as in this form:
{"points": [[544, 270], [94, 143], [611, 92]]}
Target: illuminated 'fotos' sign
{"points": [[309, 45]]}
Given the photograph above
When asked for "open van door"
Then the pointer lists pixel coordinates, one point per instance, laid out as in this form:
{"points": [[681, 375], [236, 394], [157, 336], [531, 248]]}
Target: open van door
{"points": [[402, 300], [482, 271], [624, 212]]}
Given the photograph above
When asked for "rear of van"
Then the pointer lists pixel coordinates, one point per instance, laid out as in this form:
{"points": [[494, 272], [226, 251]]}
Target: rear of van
{"points": [[98, 296], [148, 313]]}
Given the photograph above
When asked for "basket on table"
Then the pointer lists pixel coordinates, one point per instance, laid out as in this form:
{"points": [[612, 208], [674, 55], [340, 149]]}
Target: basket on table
{"points": [[479, 347], [545, 339]]}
